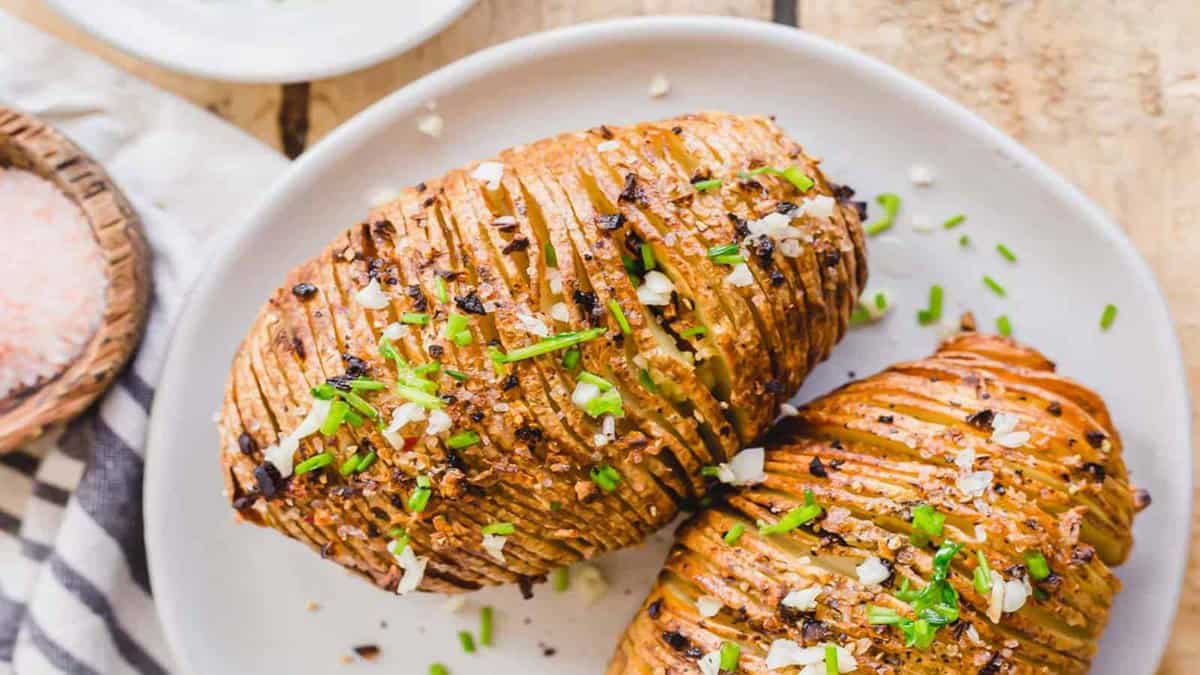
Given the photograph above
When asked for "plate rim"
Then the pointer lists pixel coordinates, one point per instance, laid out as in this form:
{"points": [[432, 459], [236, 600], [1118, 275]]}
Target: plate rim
{"points": [[187, 61], [382, 113]]}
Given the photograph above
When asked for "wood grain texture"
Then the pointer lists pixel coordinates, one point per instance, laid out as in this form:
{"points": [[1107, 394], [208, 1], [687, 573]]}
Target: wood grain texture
{"points": [[1106, 91]]}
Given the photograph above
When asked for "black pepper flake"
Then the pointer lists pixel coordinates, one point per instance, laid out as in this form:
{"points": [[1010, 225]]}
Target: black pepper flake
{"points": [[529, 433], [1095, 438], [605, 132], [421, 186], [693, 653], [836, 445], [525, 583], [843, 193], [368, 652], [269, 480], [763, 248], [831, 257], [1082, 554], [993, 666], [245, 501], [436, 351], [610, 221], [339, 382], [326, 549], [517, 244], [1054, 408], [396, 500], [815, 631], [355, 367], [654, 609], [1094, 471], [777, 278], [428, 202], [304, 290], [449, 399], [739, 226], [785, 207], [816, 468], [298, 347], [247, 444], [633, 191], [548, 651], [1141, 499], [455, 461], [982, 419], [585, 299], [776, 387], [477, 416], [419, 302], [886, 419], [470, 303], [677, 130], [675, 640], [510, 382]]}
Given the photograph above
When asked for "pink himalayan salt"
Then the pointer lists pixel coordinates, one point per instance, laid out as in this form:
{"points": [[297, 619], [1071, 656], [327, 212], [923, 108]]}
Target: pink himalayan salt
{"points": [[52, 281]]}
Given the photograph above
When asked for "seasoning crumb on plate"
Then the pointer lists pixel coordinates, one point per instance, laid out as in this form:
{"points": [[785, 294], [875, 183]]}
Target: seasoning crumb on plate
{"points": [[659, 86], [368, 652], [431, 125], [920, 176]]}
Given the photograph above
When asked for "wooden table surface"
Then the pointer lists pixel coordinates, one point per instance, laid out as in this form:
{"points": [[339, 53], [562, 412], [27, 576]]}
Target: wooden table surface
{"points": [[1106, 91]]}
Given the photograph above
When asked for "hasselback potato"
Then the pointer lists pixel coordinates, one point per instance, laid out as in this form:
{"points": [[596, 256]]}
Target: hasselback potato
{"points": [[954, 514], [528, 361]]}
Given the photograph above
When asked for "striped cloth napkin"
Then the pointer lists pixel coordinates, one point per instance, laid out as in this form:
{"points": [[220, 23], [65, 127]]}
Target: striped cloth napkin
{"points": [[74, 590]]}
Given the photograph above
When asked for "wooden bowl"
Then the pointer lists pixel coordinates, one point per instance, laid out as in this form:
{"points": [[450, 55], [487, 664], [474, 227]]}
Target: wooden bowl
{"points": [[29, 144]]}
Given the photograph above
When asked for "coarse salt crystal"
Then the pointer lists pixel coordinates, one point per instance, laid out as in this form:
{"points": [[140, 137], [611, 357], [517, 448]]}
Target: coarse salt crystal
{"points": [[490, 173], [395, 330], [746, 468], [431, 125], [608, 145], [494, 545], [872, 571], [659, 86], [974, 484], [803, 599], [740, 276], [372, 296], [560, 312], [708, 606], [533, 325], [920, 176]]}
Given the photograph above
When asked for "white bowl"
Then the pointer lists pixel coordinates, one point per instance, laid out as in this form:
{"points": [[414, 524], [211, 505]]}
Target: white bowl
{"points": [[263, 40], [232, 597]]}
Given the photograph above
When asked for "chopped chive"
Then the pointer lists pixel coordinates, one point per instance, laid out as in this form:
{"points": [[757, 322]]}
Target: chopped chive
{"points": [[954, 221], [551, 256], [359, 404], [600, 382], [388, 351], [1003, 325], [397, 532], [933, 313], [547, 345], [462, 339], [1006, 253], [462, 439], [730, 653], [608, 403], [731, 537], [926, 522], [964, 241], [560, 579], [347, 466], [415, 318], [619, 315], [467, 641], [791, 174], [1107, 318], [313, 463], [646, 381], [366, 462], [891, 206], [364, 384], [831, 660], [497, 358], [1036, 563], [323, 391], [724, 249], [630, 265], [410, 379], [877, 616], [710, 471], [571, 358], [606, 477], [399, 541], [419, 499], [333, 419], [439, 289], [982, 574], [421, 398], [694, 331], [428, 368], [438, 669], [731, 259], [457, 374], [455, 324], [486, 623], [499, 528], [793, 518], [703, 185], [648, 261], [881, 301], [859, 315], [354, 418], [994, 285]]}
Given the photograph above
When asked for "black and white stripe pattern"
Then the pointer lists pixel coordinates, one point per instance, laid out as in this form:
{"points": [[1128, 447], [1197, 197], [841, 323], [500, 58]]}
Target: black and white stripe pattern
{"points": [[75, 593]]}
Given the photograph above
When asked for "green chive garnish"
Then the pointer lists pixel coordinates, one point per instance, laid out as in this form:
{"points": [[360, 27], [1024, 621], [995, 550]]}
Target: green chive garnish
{"points": [[421, 398], [462, 439], [791, 174], [936, 604], [732, 259], [347, 466], [414, 318], [388, 351], [364, 384], [600, 382], [794, 518], [359, 404], [333, 419], [631, 266], [313, 463], [646, 381], [354, 418], [694, 331], [1107, 318], [731, 537], [439, 289], [608, 403], [499, 528], [428, 368], [486, 621], [891, 206], [982, 574], [648, 261], [964, 241], [571, 358], [1003, 325], [831, 660], [724, 249], [1006, 253], [560, 579], [619, 315], [419, 498], [730, 652], [366, 462], [877, 616], [467, 641], [606, 477], [551, 256], [933, 313], [324, 391], [547, 345], [710, 471], [702, 185], [457, 374], [954, 221], [994, 285], [438, 669], [926, 522], [1036, 563]]}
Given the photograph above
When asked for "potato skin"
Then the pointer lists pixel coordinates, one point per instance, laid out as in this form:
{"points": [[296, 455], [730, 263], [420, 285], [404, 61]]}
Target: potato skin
{"points": [[595, 197], [870, 452]]}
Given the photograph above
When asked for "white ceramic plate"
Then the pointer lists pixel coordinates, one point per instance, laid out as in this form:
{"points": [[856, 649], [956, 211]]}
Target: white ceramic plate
{"points": [[233, 597], [263, 40]]}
